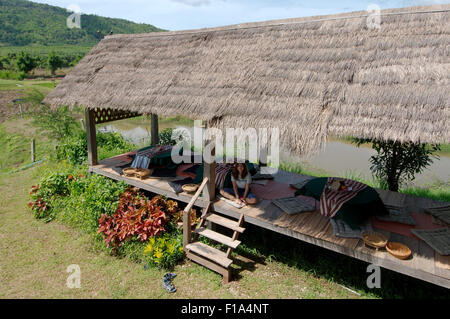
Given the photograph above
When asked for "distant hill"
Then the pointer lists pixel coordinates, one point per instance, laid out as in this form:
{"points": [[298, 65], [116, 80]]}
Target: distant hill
{"points": [[28, 23]]}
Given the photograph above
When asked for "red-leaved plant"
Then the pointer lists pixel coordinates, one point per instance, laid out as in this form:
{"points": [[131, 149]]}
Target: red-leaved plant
{"points": [[136, 216]]}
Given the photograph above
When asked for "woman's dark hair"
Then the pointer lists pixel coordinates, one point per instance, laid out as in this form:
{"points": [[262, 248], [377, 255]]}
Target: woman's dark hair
{"points": [[235, 171]]}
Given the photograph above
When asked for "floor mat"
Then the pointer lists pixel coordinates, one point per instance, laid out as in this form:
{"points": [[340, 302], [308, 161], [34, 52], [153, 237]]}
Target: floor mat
{"points": [[423, 221]]}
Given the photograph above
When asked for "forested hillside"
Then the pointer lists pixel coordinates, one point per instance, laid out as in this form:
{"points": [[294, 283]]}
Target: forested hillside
{"points": [[29, 23]]}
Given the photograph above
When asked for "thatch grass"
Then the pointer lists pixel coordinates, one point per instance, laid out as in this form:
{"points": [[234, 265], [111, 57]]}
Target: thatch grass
{"points": [[309, 77]]}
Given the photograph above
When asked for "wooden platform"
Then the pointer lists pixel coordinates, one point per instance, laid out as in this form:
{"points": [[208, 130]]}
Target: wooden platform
{"points": [[313, 228]]}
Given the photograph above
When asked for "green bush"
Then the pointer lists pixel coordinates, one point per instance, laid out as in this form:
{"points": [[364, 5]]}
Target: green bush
{"points": [[46, 192], [11, 75], [89, 198], [74, 147], [164, 251]]}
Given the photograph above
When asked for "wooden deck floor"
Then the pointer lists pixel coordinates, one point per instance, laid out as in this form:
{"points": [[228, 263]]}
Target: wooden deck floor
{"points": [[425, 264]]}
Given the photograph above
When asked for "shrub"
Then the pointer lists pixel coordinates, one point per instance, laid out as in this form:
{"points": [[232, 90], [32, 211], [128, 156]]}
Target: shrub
{"points": [[90, 197], [164, 251], [397, 162], [59, 123], [25, 62], [136, 216], [11, 75], [44, 194], [74, 147]]}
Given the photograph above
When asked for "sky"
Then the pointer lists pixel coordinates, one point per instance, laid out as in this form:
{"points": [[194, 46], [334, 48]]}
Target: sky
{"points": [[195, 14]]}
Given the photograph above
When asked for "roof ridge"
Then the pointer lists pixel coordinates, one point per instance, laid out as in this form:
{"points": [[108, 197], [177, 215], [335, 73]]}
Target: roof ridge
{"points": [[247, 25]]}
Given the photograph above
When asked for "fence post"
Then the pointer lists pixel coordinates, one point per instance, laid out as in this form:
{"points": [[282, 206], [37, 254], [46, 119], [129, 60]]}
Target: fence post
{"points": [[33, 151]]}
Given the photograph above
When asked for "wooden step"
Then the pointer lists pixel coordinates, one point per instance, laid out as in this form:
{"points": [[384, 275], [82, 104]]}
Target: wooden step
{"points": [[217, 237], [225, 222], [210, 253]]}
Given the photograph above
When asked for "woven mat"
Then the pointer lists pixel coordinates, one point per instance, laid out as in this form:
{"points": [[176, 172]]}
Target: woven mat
{"points": [[293, 205], [300, 185], [341, 229], [442, 213], [438, 239], [397, 214], [262, 176], [260, 182]]}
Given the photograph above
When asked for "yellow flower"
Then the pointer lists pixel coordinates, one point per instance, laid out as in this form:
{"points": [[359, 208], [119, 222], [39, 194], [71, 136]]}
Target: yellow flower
{"points": [[158, 254], [148, 249], [170, 248]]}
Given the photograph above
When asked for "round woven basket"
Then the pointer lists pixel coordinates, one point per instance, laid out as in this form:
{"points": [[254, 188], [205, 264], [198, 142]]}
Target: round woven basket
{"points": [[189, 188], [143, 173], [374, 239], [398, 250], [129, 171]]}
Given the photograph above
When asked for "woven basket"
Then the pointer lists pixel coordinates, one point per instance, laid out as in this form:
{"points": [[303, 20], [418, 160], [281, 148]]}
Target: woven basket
{"points": [[398, 250], [374, 239], [189, 188], [129, 171], [143, 173]]}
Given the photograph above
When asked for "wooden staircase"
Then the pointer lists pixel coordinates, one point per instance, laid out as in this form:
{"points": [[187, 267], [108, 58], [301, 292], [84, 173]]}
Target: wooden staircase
{"points": [[210, 257]]}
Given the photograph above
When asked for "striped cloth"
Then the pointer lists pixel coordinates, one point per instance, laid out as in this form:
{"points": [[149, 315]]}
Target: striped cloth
{"points": [[221, 173], [153, 151], [143, 158], [140, 162], [331, 201]]}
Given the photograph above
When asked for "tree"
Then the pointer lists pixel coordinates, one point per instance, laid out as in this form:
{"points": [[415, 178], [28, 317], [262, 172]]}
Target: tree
{"points": [[396, 162], [25, 62], [54, 62]]}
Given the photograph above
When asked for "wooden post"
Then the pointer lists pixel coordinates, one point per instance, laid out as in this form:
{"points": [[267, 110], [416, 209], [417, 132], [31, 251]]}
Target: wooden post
{"points": [[82, 124], [187, 214], [155, 131], [20, 108], [91, 135], [33, 151]]}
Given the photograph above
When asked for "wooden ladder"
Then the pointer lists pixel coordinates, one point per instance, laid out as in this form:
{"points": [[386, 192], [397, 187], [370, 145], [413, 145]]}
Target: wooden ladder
{"points": [[205, 255]]}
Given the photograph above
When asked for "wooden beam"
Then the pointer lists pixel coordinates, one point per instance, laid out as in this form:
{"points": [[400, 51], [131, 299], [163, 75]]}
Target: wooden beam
{"points": [[155, 130], [209, 171], [187, 215], [91, 136]]}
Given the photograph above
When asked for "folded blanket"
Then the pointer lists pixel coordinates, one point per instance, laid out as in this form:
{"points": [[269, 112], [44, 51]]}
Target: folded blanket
{"points": [[332, 200]]}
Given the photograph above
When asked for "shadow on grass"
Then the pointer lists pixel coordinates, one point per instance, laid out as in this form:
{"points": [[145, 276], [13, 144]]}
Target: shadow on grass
{"points": [[320, 262]]}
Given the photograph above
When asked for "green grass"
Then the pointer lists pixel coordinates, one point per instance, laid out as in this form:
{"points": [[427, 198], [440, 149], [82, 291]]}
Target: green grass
{"points": [[27, 85], [43, 50]]}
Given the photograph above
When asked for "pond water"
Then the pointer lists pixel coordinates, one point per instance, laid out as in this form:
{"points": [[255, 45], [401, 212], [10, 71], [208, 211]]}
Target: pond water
{"points": [[337, 158]]}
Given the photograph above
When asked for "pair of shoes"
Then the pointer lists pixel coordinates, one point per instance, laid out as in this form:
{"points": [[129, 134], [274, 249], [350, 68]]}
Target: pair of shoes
{"points": [[166, 282]]}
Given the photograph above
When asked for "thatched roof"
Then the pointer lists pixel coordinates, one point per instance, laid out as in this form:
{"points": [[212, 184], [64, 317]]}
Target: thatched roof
{"points": [[308, 76]]}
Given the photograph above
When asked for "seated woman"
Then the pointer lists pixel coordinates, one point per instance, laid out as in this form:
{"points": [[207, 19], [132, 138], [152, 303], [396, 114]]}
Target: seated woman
{"points": [[241, 180]]}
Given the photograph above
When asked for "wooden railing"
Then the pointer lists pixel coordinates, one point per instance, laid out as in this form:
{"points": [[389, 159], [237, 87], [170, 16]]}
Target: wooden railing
{"points": [[187, 214]]}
